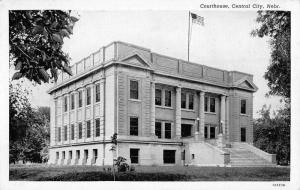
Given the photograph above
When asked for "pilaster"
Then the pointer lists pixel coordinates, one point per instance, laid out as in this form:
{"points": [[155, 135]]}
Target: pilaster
{"points": [[178, 112], [152, 109]]}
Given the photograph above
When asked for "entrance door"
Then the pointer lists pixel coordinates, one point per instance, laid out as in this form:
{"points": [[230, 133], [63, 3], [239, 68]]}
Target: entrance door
{"points": [[243, 134], [212, 131]]}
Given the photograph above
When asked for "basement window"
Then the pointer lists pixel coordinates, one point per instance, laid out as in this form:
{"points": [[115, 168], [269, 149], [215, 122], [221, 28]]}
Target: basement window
{"points": [[169, 156], [134, 155]]}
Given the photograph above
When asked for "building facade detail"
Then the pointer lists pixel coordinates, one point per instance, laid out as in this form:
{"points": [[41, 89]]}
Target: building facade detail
{"points": [[166, 111]]}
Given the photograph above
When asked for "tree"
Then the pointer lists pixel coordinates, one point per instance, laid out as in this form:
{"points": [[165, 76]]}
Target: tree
{"points": [[273, 134], [35, 43], [277, 26], [28, 128]]}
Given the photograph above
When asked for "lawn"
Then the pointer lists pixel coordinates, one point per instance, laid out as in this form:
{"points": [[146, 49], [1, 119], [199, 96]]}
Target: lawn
{"points": [[147, 173]]}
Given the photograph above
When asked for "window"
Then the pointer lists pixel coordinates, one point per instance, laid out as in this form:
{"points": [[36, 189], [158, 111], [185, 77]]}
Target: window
{"points": [[183, 100], [72, 132], [59, 134], [66, 104], [95, 155], [205, 132], [158, 129], [97, 127], [88, 129], [78, 154], [72, 101], [70, 155], [212, 105], [168, 130], [86, 154], [80, 99], [66, 132], [97, 92], [243, 106], [168, 98], [186, 130], [158, 97], [88, 96], [206, 104], [212, 132], [80, 130], [134, 89], [134, 125], [191, 101], [169, 156], [57, 155], [63, 155], [193, 156], [134, 155]]}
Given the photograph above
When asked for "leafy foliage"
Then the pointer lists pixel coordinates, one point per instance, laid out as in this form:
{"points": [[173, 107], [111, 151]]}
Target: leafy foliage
{"points": [[277, 26], [121, 164], [28, 128], [35, 43], [273, 134]]}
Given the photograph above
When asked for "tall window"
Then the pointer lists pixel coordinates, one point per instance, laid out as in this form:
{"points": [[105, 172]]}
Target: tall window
{"points": [[80, 99], [134, 155], [158, 97], [78, 154], [97, 92], [168, 130], [66, 132], [59, 134], [72, 132], [243, 106], [134, 89], [183, 100], [66, 104], [206, 104], [212, 105], [97, 127], [88, 96], [88, 129], [70, 155], [169, 156], [95, 155], [134, 125], [191, 101], [80, 130], [168, 98], [158, 129], [72, 101]]}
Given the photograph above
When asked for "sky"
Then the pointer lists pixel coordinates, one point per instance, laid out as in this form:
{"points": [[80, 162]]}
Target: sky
{"points": [[223, 42]]}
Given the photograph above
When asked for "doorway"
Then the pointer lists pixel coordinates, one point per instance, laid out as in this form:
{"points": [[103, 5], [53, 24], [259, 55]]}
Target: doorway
{"points": [[243, 134]]}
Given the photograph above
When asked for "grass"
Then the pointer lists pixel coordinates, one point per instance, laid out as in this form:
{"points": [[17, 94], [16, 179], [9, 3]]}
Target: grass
{"points": [[147, 173]]}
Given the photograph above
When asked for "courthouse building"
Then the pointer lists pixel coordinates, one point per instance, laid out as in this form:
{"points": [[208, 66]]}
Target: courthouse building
{"points": [[165, 111]]}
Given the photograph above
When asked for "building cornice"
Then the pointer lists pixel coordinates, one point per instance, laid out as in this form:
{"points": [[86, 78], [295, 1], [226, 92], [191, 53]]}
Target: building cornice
{"points": [[112, 63]]}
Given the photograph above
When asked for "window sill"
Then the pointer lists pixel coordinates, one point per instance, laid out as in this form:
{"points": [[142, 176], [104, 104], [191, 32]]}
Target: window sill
{"points": [[134, 100], [213, 113], [244, 115], [164, 107], [188, 110]]}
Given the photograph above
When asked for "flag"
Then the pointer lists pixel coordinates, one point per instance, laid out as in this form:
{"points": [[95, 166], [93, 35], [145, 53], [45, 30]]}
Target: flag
{"points": [[197, 19]]}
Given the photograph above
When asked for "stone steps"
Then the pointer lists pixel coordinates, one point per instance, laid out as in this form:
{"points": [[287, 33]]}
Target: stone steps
{"points": [[241, 157]]}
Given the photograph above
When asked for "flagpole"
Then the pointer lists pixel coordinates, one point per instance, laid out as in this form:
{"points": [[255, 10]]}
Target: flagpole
{"points": [[189, 37]]}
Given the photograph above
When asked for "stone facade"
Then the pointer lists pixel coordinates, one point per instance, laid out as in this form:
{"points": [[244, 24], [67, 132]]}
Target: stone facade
{"points": [[166, 111]]}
